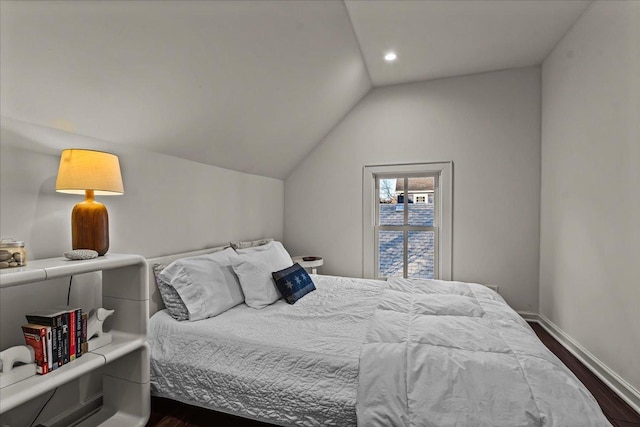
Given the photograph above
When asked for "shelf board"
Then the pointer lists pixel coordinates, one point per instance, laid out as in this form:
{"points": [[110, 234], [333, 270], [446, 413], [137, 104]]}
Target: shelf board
{"points": [[21, 275], [25, 390], [52, 268], [122, 344]]}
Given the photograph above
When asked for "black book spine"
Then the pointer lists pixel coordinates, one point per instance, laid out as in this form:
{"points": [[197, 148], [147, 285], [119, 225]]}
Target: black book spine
{"points": [[60, 342], [41, 320], [54, 348], [65, 338], [78, 336]]}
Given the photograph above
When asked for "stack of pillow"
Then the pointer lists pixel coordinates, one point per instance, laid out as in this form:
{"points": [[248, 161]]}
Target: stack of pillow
{"points": [[258, 273]]}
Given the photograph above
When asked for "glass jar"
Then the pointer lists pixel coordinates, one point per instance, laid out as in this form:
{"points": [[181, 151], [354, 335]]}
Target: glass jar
{"points": [[12, 253]]}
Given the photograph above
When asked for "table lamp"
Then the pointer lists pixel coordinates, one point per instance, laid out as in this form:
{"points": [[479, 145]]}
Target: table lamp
{"points": [[90, 173]]}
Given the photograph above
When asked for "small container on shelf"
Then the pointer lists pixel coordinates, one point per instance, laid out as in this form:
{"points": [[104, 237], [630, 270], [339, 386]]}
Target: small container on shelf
{"points": [[12, 253]]}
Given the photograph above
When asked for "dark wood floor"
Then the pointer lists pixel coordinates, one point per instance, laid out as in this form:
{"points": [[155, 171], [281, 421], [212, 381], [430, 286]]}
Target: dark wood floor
{"points": [[615, 409], [168, 413]]}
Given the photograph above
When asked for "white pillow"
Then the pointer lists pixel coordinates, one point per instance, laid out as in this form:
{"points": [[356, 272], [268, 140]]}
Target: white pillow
{"points": [[206, 283], [254, 268], [267, 247]]}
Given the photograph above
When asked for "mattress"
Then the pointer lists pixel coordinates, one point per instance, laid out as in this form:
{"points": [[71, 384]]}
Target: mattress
{"points": [[284, 364]]}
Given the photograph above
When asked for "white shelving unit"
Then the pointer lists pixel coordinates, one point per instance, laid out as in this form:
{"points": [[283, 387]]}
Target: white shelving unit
{"points": [[125, 381]]}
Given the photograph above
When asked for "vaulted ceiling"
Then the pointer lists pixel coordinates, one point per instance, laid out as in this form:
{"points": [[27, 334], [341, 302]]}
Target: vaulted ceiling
{"points": [[246, 85]]}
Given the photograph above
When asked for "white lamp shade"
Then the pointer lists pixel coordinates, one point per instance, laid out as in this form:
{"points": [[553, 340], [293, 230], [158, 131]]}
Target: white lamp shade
{"points": [[82, 170]]}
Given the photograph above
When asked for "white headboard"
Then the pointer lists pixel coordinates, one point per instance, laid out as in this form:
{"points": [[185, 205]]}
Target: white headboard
{"points": [[155, 300]]}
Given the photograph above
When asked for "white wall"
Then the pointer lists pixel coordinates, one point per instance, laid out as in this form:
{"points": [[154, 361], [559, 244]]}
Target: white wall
{"points": [[590, 217], [487, 124], [170, 205]]}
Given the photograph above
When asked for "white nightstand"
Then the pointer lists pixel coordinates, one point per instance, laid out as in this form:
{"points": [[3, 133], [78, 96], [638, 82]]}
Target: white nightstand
{"points": [[313, 265]]}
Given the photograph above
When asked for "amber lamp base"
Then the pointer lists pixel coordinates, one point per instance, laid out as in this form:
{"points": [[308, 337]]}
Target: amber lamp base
{"points": [[90, 225]]}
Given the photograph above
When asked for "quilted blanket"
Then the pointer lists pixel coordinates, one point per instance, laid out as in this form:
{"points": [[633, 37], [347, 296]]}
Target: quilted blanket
{"points": [[455, 354], [284, 364]]}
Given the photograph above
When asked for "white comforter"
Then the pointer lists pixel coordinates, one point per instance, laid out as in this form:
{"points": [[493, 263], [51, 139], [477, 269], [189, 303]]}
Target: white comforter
{"points": [[285, 364], [454, 354]]}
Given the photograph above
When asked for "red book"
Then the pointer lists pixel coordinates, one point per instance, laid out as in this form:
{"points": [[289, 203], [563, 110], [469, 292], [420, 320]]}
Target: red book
{"points": [[36, 337], [79, 351], [72, 334]]}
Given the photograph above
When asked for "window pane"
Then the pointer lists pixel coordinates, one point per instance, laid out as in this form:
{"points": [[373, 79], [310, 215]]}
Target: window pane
{"points": [[421, 254], [420, 205], [390, 212], [390, 248]]}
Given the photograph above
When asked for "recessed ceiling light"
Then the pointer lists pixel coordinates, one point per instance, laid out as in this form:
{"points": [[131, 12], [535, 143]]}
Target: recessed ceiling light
{"points": [[390, 56]]}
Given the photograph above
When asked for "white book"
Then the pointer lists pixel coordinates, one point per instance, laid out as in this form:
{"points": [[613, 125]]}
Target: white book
{"points": [[50, 349]]}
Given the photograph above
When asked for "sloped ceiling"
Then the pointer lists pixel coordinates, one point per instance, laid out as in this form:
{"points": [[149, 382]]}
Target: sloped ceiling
{"points": [[249, 86], [246, 85]]}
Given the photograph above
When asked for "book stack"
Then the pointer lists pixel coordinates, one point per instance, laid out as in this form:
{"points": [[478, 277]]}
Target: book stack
{"points": [[58, 336]]}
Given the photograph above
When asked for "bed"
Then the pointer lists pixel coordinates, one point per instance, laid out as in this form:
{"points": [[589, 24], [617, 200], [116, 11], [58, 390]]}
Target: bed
{"points": [[368, 353]]}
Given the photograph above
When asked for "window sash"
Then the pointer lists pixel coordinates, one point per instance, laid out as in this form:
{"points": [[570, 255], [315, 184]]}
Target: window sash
{"points": [[405, 250], [436, 196]]}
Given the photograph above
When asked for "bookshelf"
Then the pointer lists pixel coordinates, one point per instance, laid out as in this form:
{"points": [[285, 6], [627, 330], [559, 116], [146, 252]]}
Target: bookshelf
{"points": [[125, 381]]}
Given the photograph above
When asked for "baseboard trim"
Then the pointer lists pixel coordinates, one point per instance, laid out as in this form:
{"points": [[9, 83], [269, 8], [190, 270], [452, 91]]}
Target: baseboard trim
{"points": [[528, 316], [616, 383]]}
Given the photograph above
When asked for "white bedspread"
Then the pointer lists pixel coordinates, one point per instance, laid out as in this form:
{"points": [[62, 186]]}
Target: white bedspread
{"points": [[454, 354], [284, 364]]}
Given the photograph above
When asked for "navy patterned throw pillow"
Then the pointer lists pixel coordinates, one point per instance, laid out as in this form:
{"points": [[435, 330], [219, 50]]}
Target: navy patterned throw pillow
{"points": [[293, 283]]}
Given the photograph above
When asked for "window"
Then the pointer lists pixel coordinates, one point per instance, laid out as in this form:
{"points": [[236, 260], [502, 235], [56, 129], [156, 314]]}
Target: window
{"points": [[407, 220]]}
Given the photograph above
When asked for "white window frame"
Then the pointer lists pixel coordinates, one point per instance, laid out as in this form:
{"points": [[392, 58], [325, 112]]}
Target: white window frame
{"points": [[443, 196]]}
